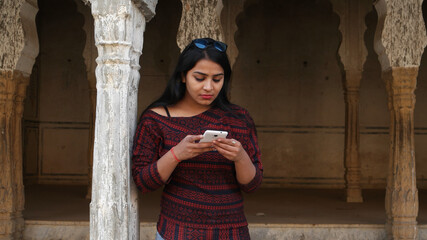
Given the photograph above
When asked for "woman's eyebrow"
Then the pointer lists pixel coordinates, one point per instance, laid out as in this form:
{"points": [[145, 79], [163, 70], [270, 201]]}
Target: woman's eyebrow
{"points": [[204, 74], [219, 74]]}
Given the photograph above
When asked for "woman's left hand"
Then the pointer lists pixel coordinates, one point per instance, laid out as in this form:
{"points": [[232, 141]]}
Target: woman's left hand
{"points": [[230, 149]]}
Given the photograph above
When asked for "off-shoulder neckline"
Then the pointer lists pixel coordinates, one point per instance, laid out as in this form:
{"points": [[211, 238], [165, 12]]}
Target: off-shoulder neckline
{"points": [[199, 114]]}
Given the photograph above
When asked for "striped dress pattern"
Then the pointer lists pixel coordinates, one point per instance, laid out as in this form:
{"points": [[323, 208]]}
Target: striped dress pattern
{"points": [[202, 199]]}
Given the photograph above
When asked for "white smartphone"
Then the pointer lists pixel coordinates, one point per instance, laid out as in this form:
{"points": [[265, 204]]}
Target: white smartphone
{"points": [[211, 135]]}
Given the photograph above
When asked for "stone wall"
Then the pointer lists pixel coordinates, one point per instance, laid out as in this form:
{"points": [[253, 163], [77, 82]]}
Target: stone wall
{"points": [[287, 75]]}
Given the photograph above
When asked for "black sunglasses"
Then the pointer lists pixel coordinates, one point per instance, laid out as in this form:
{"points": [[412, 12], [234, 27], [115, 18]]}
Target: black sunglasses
{"points": [[203, 44]]}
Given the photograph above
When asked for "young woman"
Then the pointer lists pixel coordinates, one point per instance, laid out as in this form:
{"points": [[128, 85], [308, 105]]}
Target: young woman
{"points": [[202, 181]]}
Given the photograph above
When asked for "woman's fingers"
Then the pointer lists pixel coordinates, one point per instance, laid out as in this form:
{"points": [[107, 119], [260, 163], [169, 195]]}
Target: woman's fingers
{"points": [[229, 148], [193, 138], [190, 147], [227, 144]]}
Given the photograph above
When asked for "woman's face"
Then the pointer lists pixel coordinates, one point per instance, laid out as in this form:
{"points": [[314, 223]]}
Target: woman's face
{"points": [[203, 82]]}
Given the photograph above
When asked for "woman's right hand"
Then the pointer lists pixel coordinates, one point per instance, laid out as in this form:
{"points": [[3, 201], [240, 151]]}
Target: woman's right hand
{"points": [[188, 148]]}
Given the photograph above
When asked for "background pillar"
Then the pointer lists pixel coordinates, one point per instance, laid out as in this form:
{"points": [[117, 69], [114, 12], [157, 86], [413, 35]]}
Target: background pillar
{"points": [[353, 55], [119, 29], [18, 51], [400, 40]]}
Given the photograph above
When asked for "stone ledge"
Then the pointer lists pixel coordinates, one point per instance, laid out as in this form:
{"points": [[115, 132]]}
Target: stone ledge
{"points": [[38, 230]]}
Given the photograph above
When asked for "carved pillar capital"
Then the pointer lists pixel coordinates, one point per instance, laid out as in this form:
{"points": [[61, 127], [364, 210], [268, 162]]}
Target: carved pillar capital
{"points": [[400, 36], [119, 29], [147, 8], [402, 82], [208, 24], [352, 26]]}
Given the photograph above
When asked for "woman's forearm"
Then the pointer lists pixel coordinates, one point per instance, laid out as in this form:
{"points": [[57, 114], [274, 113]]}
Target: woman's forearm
{"points": [[166, 165], [245, 170]]}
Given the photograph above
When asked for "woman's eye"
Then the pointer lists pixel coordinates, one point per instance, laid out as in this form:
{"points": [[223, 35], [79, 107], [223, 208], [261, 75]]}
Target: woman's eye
{"points": [[199, 79], [217, 80]]}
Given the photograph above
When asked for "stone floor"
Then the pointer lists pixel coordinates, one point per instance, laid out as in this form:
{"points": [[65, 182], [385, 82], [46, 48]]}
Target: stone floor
{"points": [[62, 212], [265, 206]]}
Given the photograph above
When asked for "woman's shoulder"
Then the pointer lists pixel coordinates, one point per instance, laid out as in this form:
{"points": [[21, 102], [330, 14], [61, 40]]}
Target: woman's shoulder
{"points": [[240, 114], [152, 116], [241, 111], [159, 110]]}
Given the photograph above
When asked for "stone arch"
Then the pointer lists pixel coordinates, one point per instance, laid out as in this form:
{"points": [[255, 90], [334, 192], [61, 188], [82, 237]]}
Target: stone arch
{"points": [[89, 54], [159, 59], [62, 97], [286, 69], [230, 14]]}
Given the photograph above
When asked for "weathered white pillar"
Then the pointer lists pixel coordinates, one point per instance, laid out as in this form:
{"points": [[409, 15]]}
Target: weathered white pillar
{"points": [[353, 55], [119, 29], [399, 42], [199, 19], [18, 51]]}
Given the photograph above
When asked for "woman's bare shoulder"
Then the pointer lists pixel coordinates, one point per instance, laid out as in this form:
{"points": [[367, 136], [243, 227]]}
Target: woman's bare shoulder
{"points": [[159, 110]]}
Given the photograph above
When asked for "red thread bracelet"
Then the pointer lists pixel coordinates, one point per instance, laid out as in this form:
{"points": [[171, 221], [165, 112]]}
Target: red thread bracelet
{"points": [[174, 156]]}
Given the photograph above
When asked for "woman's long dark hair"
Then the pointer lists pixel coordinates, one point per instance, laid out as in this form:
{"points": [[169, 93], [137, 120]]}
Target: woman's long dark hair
{"points": [[175, 89]]}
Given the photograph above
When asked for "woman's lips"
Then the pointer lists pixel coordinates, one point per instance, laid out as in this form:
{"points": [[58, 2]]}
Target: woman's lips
{"points": [[205, 96]]}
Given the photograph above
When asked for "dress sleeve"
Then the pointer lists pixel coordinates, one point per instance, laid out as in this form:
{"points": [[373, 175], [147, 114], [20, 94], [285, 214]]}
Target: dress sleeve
{"points": [[254, 153], [145, 154]]}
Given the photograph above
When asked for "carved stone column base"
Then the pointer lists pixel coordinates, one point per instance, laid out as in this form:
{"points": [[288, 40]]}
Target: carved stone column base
{"points": [[7, 226], [354, 196], [404, 229], [11, 227]]}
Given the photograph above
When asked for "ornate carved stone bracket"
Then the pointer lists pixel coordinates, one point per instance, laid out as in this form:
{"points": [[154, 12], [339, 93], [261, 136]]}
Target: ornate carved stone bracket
{"points": [[228, 19], [208, 24], [399, 42], [119, 29], [353, 55], [19, 49]]}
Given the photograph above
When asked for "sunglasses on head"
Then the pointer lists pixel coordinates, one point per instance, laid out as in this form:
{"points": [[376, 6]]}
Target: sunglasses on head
{"points": [[203, 44]]}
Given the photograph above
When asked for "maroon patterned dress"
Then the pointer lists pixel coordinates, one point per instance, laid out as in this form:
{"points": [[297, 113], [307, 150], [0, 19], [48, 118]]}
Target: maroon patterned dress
{"points": [[202, 199]]}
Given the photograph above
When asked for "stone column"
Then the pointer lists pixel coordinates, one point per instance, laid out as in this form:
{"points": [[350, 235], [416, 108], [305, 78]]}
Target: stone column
{"points": [[119, 29], [18, 51], [353, 55], [399, 42], [351, 153], [208, 24]]}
